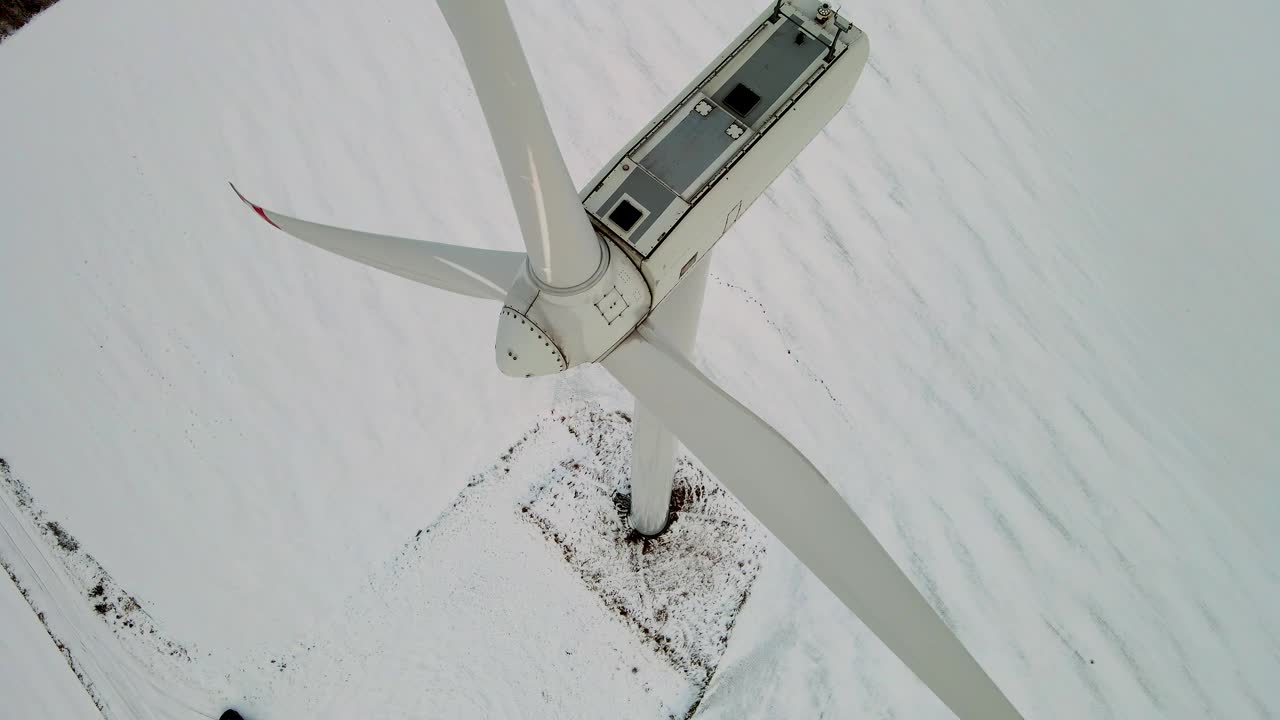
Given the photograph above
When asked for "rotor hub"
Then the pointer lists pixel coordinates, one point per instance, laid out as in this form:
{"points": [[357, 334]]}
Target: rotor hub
{"points": [[523, 349]]}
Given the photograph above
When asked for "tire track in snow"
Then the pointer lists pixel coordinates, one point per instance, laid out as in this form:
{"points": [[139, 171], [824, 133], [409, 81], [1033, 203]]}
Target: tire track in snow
{"points": [[48, 567]]}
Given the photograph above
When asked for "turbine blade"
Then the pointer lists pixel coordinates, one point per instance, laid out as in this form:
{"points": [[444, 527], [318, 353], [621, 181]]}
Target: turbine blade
{"points": [[653, 447], [788, 494], [467, 271], [563, 248]]}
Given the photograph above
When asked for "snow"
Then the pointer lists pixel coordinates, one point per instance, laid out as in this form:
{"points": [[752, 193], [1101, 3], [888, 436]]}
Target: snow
{"points": [[1014, 302], [37, 681], [681, 590]]}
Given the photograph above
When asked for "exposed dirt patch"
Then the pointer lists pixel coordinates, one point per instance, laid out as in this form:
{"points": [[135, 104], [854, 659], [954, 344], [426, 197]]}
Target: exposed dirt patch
{"points": [[22, 499], [122, 611], [16, 13], [681, 591], [85, 682], [60, 536]]}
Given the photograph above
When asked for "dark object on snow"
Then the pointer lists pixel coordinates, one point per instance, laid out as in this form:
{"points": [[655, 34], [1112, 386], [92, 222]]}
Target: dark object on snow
{"points": [[16, 13], [231, 715]]}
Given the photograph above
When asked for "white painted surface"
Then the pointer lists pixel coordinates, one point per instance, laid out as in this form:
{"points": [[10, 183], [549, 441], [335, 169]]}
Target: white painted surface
{"points": [[585, 325], [564, 251], [653, 447], [782, 489], [989, 303], [737, 190], [475, 272]]}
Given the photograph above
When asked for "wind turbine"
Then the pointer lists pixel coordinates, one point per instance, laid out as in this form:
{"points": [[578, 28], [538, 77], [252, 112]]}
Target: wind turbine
{"points": [[615, 275]]}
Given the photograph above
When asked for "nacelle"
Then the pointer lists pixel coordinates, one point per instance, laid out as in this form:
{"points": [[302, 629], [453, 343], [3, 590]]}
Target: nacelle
{"points": [[665, 200], [684, 180], [542, 331]]}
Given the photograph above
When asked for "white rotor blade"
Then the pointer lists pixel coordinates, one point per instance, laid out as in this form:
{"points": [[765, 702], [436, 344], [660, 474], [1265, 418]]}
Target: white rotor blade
{"points": [[563, 249], [479, 273], [788, 494]]}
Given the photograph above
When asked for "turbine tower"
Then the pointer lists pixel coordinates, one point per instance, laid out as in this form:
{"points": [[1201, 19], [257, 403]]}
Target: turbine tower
{"points": [[615, 274]]}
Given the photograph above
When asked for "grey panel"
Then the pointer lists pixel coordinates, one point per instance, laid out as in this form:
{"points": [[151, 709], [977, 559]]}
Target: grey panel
{"points": [[644, 189], [777, 64], [690, 148]]}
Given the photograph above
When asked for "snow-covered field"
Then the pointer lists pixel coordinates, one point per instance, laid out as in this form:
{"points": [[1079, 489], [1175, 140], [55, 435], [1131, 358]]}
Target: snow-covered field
{"points": [[1015, 302]]}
